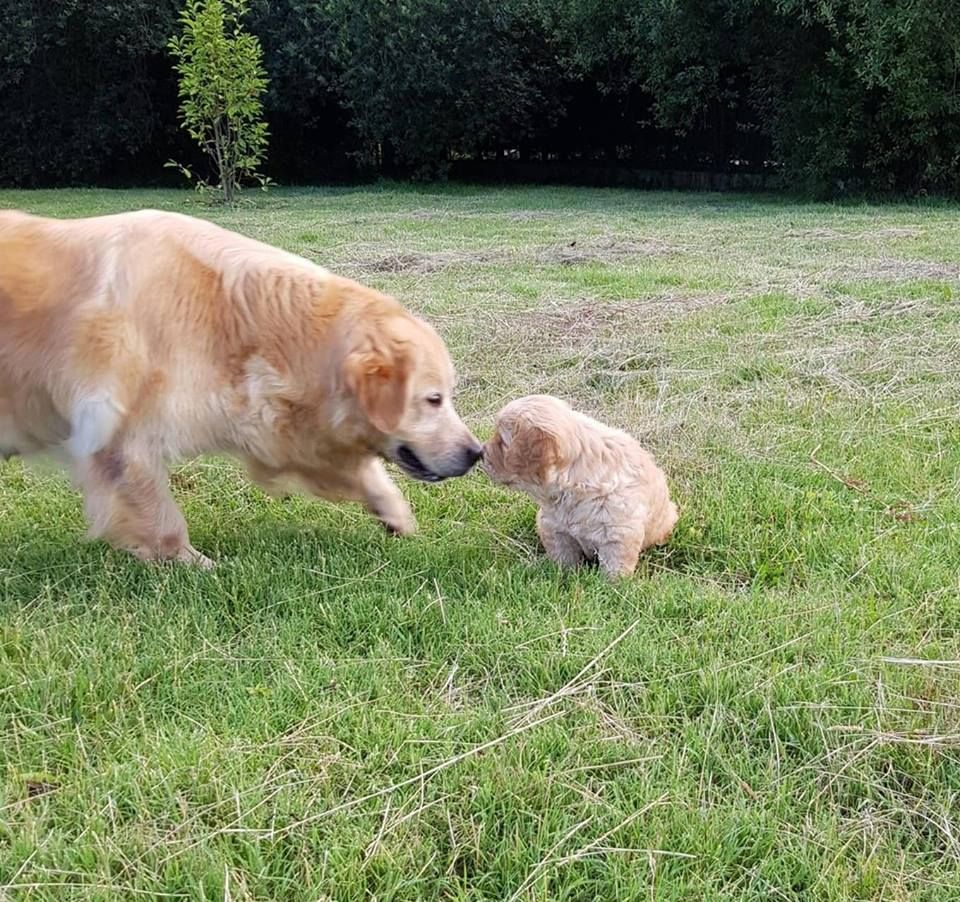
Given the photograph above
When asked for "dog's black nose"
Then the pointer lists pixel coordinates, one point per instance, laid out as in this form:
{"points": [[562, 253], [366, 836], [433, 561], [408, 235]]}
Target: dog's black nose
{"points": [[472, 454]]}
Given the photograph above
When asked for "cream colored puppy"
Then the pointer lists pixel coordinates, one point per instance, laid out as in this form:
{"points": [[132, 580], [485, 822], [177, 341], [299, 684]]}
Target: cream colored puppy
{"points": [[601, 496]]}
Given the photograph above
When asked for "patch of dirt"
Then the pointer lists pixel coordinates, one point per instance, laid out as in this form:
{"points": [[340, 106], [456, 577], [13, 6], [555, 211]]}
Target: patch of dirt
{"points": [[530, 215], [603, 250], [834, 235], [183, 480], [576, 324], [429, 214], [894, 233], [831, 234], [590, 250], [572, 327], [902, 512], [35, 788], [422, 262], [901, 270], [424, 215]]}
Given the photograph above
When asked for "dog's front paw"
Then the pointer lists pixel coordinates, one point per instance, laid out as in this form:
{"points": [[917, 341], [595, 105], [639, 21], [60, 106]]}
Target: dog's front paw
{"points": [[185, 555], [400, 524], [395, 515]]}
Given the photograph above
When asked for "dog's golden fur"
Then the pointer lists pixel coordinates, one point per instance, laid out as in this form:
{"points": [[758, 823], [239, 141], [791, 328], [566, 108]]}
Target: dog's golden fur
{"points": [[601, 495], [134, 340]]}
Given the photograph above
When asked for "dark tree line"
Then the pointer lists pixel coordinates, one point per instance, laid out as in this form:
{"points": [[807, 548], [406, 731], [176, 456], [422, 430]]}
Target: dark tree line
{"points": [[828, 96]]}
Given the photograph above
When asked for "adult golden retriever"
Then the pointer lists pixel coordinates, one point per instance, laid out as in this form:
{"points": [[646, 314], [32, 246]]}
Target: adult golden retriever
{"points": [[130, 341]]}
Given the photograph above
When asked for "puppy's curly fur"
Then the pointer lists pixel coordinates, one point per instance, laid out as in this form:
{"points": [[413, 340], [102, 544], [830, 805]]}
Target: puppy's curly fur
{"points": [[601, 495]]}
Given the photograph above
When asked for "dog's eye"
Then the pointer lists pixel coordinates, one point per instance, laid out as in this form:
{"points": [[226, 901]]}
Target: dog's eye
{"points": [[435, 400]]}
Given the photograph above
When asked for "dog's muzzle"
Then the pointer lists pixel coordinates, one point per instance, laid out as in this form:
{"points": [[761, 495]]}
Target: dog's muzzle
{"points": [[408, 461], [414, 467]]}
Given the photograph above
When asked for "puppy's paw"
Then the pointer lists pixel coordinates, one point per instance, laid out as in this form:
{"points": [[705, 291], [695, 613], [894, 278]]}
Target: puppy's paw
{"points": [[617, 574], [619, 561], [194, 558]]}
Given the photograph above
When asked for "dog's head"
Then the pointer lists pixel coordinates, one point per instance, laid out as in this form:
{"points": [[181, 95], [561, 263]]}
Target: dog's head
{"points": [[401, 378], [529, 445]]}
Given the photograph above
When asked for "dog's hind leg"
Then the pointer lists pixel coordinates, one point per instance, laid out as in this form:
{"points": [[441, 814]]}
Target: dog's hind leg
{"points": [[13, 440], [128, 503]]}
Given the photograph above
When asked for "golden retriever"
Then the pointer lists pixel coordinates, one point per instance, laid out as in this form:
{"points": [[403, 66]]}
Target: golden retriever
{"points": [[130, 341], [601, 495]]}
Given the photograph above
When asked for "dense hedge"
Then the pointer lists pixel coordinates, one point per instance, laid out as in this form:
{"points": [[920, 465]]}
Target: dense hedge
{"points": [[830, 96]]}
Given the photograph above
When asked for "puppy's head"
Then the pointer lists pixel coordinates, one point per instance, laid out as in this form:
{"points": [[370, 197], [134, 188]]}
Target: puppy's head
{"points": [[529, 446], [402, 380]]}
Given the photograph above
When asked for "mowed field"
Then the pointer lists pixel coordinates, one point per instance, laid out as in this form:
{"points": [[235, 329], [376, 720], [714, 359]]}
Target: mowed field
{"points": [[770, 709]]}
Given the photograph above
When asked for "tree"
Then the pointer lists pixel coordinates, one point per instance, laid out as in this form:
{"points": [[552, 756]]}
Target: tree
{"points": [[310, 135], [86, 91], [433, 78], [222, 81], [831, 96]]}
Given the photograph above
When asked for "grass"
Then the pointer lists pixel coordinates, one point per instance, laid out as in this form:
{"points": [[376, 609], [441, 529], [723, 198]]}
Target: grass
{"points": [[770, 710]]}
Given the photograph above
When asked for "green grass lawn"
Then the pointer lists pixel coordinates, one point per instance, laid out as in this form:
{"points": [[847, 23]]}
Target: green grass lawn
{"points": [[769, 710]]}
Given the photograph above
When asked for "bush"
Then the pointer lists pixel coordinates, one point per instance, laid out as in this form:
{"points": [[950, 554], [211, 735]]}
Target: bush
{"points": [[833, 96], [84, 90], [222, 81]]}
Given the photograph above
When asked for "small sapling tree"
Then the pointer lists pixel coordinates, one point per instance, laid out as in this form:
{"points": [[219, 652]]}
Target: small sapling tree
{"points": [[222, 81]]}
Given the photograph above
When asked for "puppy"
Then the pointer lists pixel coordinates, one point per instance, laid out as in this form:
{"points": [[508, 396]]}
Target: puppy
{"points": [[131, 341], [601, 496]]}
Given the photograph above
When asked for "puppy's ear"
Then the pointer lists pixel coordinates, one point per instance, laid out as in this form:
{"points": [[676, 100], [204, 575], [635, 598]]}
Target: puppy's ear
{"points": [[535, 452], [379, 382]]}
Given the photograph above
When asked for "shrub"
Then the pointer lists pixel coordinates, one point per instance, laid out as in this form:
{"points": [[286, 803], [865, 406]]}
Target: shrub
{"points": [[222, 81]]}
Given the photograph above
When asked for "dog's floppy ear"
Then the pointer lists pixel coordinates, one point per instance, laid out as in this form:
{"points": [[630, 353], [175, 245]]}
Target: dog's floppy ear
{"points": [[379, 381], [534, 452]]}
